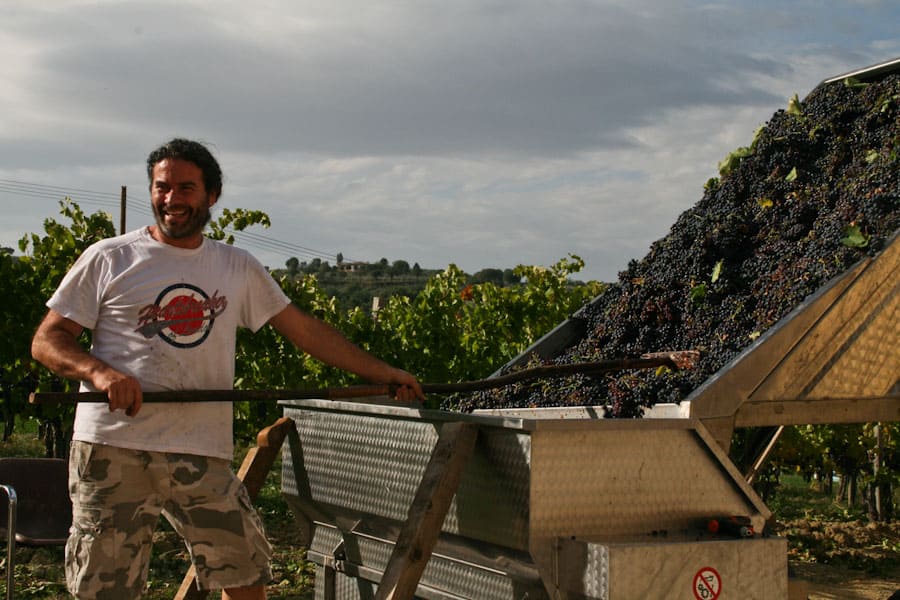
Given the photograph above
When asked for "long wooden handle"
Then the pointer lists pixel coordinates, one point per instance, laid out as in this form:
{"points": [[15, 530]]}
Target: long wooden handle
{"points": [[355, 391], [682, 359]]}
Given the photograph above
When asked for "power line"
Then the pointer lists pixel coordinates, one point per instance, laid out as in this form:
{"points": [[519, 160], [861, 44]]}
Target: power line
{"points": [[50, 193], [280, 246], [108, 199], [24, 185]]}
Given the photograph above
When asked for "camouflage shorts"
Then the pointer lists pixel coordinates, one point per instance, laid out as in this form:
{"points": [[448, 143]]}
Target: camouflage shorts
{"points": [[117, 497]]}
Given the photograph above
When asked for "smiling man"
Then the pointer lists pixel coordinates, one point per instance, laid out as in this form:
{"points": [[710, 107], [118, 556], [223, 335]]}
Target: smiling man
{"points": [[163, 304]]}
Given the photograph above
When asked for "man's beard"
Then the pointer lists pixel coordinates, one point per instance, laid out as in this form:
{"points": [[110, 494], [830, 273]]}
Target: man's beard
{"points": [[195, 223]]}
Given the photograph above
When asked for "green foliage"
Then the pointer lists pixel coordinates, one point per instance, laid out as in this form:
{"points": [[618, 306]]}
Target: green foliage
{"points": [[698, 291], [455, 330], [358, 284], [237, 219], [717, 271], [846, 452], [33, 278]]}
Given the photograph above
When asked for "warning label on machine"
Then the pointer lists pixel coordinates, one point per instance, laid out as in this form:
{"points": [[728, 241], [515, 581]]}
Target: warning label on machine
{"points": [[707, 584]]}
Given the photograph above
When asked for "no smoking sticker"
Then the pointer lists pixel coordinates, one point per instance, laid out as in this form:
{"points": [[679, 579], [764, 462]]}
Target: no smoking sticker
{"points": [[707, 584]]}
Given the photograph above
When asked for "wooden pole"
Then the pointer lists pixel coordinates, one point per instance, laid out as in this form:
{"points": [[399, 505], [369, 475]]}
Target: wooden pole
{"points": [[122, 203], [675, 360], [876, 470]]}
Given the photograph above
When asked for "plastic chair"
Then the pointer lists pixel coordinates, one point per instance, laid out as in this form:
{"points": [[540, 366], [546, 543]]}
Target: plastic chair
{"points": [[38, 511]]}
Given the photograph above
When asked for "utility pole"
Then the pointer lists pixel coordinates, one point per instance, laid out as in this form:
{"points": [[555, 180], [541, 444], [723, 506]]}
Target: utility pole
{"points": [[123, 197]]}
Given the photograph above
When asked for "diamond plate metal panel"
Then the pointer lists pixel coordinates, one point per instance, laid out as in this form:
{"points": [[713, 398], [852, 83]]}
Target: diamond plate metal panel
{"points": [[870, 360], [747, 569], [596, 572], [372, 464], [443, 575], [364, 464], [626, 482]]}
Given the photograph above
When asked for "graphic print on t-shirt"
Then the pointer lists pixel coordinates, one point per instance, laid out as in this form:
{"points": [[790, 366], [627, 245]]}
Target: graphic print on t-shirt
{"points": [[183, 315]]}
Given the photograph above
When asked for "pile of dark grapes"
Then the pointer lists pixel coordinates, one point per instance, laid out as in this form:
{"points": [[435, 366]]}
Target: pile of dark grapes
{"points": [[818, 190]]}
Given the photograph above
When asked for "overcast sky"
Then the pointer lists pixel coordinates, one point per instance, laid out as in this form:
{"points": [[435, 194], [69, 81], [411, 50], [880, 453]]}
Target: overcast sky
{"points": [[484, 133]]}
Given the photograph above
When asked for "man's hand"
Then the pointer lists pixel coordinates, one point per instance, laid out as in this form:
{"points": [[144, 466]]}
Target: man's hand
{"points": [[123, 391], [408, 387]]}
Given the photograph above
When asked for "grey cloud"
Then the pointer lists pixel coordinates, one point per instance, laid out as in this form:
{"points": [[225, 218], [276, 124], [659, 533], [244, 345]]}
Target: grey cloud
{"points": [[504, 79]]}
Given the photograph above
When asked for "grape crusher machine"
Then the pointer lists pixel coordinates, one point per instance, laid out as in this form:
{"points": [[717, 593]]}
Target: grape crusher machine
{"points": [[395, 502]]}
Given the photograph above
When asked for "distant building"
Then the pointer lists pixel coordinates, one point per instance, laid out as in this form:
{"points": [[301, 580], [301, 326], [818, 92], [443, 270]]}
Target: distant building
{"points": [[352, 266]]}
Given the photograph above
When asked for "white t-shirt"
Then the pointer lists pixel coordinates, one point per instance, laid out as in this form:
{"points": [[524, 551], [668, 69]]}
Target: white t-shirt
{"points": [[169, 317]]}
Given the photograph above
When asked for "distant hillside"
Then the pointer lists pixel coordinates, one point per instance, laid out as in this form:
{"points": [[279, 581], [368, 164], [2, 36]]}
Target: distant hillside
{"points": [[357, 284]]}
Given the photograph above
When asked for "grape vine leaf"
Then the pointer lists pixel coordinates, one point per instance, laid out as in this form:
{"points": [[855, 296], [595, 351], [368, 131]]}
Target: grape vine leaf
{"points": [[698, 293], [854, 237]]}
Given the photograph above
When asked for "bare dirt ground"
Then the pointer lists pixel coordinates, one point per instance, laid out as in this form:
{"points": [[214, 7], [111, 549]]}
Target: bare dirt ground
{"points": [[828, 582], [847, 560]]}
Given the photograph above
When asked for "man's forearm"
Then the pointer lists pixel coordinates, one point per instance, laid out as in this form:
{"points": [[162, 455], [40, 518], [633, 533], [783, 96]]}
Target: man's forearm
{"points": [[61, 352]]}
